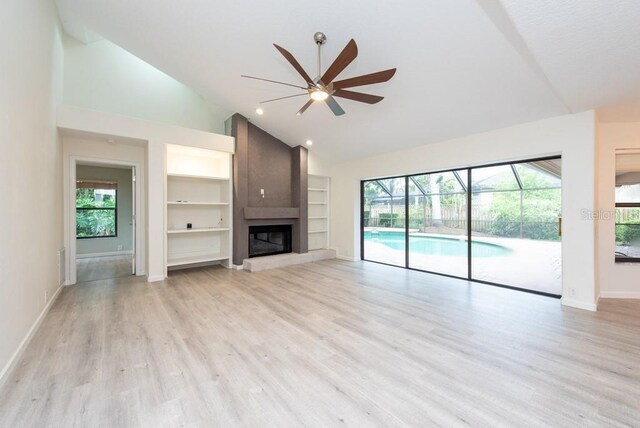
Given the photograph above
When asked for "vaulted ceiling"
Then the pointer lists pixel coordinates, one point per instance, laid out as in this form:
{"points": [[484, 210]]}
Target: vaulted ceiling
{"points": [[464, 66]]}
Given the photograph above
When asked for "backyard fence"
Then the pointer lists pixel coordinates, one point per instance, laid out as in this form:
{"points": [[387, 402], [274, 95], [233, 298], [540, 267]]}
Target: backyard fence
{"points": [[454, 219]]}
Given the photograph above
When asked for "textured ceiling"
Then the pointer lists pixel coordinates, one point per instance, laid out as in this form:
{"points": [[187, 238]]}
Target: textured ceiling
{"points": [[463, 66], [589, 49]]}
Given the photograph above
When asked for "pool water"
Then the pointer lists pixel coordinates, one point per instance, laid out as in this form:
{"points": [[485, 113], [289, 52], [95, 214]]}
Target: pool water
{"points": [[441, 246]]}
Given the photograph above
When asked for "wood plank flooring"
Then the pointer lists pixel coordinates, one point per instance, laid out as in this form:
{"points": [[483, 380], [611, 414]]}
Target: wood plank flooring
{"points": [[324, 344], [105, 267]]}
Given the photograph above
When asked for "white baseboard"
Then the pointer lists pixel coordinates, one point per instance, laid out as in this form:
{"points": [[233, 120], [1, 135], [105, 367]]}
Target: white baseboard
{"points": [[620, 295], [111, 253], [579, 304], [25, 342], [237, 267], [155, 278]]}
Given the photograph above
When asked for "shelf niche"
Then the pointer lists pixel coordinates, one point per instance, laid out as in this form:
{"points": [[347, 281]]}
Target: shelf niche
{"points": [[198, 192], [318, 220]]}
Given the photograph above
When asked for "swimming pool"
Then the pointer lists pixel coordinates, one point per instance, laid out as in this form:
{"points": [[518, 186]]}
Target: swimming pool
{"points": [[435, 245]]}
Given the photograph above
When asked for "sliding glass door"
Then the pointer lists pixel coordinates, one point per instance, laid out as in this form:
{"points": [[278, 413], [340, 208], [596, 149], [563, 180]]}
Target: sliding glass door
{"points": [[383, 220], [501, 228], [515, 225], [438, 222]]}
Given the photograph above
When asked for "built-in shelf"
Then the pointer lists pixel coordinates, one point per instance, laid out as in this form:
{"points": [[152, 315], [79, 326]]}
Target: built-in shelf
{"points": [[200, 230], [199, 203], [198, 192], [198, 177], [191, 258], [319, 192]]}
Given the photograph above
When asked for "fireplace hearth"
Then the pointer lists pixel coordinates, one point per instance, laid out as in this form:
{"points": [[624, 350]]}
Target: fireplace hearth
{"points": [[269, 240]]}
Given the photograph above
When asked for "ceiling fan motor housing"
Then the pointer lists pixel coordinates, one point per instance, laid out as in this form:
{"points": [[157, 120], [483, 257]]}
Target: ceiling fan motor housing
{"points": [[319, 38]]}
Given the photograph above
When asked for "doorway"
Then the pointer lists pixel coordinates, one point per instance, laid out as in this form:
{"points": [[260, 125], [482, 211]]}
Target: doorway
{"points": [[105, 221]]}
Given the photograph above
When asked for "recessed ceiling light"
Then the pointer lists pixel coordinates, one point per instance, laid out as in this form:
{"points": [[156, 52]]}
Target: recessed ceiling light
{"points": [[259, 111], [309, 143]]}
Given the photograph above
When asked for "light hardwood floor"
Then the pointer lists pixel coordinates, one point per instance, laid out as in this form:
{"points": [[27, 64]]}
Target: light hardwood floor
{"points": [[324, 344], [105, 267]]}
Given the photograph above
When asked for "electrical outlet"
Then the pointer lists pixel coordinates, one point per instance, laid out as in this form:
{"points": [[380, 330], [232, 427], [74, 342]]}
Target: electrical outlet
{"points": [[46, 297], [572, 292], [119, 247]]}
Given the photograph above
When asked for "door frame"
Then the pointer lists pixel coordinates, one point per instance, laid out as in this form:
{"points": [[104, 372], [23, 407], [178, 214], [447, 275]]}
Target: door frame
{"points": [[70, 209]]}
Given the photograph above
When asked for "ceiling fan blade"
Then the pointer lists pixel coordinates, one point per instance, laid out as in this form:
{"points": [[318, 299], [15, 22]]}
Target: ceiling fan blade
{"points": [[358, 96], [304, 107], [295, 64], [283, 98], [273, 81], [348, 54], [367, 79], [334, 106]]}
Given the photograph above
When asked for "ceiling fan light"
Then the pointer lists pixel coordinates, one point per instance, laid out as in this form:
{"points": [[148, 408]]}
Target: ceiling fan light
{"points": [[319, 95]]}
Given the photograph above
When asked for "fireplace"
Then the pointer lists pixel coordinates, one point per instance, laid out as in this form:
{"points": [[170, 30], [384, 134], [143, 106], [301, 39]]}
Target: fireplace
{"points": [[268, 240]]}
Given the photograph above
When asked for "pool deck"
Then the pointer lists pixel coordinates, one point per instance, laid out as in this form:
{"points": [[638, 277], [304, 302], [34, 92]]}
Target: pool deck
{"points": [[530, 264]]}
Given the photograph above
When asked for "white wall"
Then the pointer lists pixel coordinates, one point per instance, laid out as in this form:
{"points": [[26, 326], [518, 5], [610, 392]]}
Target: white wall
{"points": [[31, 58], [318, 165], [151, 139], [615, 280], [102, 76], [123, 240], [572, 136]]}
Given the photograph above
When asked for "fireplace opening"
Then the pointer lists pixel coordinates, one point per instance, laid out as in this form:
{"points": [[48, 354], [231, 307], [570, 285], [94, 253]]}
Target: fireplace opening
{"points": [[268, 240]]}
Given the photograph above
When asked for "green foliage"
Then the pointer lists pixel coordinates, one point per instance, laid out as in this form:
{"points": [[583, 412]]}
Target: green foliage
{"points": [[531, 213], [86, 198], [391, 220], [371, 191], [629, 232], [627, 235], [417, 216], [97, 222], [535, 217], [532, 178]]}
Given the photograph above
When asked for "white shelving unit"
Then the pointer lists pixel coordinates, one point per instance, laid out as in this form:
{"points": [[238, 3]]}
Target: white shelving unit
{"points": [[200, 230], [318, 226], [198, 191]]}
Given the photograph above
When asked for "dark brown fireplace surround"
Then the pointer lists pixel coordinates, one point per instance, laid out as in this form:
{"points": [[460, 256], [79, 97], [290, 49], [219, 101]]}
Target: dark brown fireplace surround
{"points": [[261, 161]]}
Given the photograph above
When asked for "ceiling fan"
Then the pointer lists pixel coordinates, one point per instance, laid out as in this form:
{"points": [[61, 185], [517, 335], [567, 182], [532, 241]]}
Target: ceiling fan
{"points": [[323, 88]]}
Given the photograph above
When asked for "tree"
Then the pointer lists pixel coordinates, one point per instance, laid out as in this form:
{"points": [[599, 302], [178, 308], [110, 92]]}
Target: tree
{"points": [[529, 213]]}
